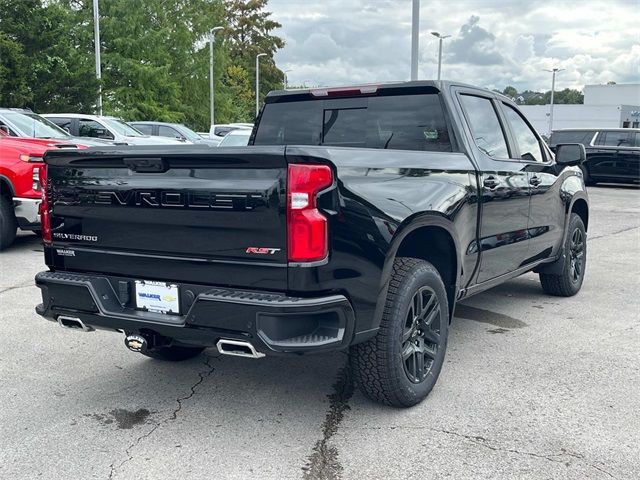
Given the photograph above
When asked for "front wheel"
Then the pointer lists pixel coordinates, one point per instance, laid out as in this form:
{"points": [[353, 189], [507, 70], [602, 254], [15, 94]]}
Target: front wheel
{"points": [[569, 281], [401, 364]]}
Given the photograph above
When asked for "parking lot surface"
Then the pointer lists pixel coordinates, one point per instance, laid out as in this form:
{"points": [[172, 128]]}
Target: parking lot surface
{"points": [[533, 387]]}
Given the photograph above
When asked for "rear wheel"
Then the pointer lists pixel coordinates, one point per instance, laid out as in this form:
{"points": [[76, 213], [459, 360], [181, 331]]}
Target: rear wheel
{"points": [[173, 353], [8, 222], [569, 281], [401, 364]]}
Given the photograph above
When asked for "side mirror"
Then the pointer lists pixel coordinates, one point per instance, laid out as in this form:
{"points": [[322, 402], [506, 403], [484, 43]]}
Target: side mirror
{"points": [[4, 129], [570, 154]]}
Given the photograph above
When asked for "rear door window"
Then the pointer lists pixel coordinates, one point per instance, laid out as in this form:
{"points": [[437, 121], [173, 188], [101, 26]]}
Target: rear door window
{"points": [[485, 126], [398, 122]]}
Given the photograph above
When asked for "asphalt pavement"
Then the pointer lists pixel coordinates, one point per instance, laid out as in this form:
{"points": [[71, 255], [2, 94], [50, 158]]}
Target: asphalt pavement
{"points": [[534, 387]]}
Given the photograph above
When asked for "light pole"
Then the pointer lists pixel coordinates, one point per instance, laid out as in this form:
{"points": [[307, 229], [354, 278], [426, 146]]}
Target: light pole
{"points": [[212, 34], [96, 41], [258, 82], [415, 38], [553, 88], [286, 79], [440, 39]]}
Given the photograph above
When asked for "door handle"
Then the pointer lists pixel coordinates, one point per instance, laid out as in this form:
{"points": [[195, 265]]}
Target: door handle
{"points": [[535, 181], [491, 182]]}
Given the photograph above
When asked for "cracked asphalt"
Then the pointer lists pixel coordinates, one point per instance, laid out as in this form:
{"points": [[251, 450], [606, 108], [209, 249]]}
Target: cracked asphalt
{"points": [[533, 387]]}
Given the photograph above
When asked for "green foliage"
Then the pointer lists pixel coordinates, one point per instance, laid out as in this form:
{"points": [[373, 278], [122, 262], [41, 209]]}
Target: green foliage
{"points": [[510, 92], [529, 97], [155, 57], [46, 61]]}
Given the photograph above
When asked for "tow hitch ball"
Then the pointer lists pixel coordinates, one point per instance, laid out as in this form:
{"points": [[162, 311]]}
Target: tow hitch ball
{"points": [[136, 343]]}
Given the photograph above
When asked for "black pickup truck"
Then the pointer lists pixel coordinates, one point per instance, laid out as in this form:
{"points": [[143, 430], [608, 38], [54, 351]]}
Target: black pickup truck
{"points": [[356, 219]]}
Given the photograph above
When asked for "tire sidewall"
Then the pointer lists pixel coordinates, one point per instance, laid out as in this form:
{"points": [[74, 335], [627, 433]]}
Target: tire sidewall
{"points": [[8, 223], [424, 274]]}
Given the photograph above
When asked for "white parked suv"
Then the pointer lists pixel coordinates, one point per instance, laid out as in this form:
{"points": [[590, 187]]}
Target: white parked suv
{"points": [[110, 128]]}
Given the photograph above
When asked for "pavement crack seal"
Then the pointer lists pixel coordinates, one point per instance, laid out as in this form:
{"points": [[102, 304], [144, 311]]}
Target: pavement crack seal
{"points": [[555, 457], [605, 235], [323, 462], [174, 415]]}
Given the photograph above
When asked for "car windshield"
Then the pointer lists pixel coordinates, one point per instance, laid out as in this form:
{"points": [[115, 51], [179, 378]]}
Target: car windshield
{"points": [[121, 127], [236, 139], [32, 125]]}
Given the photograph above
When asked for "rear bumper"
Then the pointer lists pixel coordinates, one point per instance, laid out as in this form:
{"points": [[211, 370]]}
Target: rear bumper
{"points": [[26, 210], [273, 323]]}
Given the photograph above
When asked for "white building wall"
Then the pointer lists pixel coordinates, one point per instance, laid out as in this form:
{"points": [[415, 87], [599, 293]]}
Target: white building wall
{"points": [[573, 116], [624, 94]]}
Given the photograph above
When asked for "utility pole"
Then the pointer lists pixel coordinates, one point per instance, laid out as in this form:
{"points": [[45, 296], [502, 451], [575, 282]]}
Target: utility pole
{"points": [[286, 78], [96, 41], [440, 39], [553, 88], [211, 90], [415, 38], [258, 82]]}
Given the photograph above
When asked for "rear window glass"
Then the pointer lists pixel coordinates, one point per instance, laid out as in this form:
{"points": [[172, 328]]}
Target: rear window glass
{"points": [[576, 136], [411, 122]]}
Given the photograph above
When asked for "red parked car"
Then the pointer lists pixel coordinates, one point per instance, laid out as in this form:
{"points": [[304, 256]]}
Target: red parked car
{"points": [[20, 161]]}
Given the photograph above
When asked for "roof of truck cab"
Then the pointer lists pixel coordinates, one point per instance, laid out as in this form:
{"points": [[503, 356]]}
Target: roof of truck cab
{"points": [[316, 92]]}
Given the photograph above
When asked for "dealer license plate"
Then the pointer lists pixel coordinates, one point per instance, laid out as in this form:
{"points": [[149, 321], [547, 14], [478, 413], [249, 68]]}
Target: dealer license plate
{"points": [[157, 296]]}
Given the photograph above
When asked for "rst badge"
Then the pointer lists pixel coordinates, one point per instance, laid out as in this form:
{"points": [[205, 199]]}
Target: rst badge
{"points": [[262, 250]]}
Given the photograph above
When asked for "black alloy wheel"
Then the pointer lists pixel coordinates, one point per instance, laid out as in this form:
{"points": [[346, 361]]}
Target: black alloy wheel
{"points": [[421, 334], [576, 254]]}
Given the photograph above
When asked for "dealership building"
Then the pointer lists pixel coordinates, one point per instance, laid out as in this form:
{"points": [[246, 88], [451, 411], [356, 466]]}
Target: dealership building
{"points": [[605, 106]]}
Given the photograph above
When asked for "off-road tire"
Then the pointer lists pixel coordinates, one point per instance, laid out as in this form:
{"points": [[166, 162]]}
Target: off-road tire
{"points": [[173, 353], [8, 222], [377, 364], [569, 282]]}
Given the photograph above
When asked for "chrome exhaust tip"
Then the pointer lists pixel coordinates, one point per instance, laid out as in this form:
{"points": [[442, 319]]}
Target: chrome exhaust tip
{"points": [[73, 323], [238, 348]]}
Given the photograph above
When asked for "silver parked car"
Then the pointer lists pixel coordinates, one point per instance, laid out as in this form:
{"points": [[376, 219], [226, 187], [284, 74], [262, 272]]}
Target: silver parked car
{"points": [[177, 131], [110, 128], [18, 122]]}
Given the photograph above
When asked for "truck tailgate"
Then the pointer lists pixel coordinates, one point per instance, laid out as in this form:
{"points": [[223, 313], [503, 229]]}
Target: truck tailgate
{"points": [[197, 214]]}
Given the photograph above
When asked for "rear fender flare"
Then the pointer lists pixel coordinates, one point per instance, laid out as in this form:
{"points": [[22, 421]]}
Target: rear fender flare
{"points": [[431, 219]]}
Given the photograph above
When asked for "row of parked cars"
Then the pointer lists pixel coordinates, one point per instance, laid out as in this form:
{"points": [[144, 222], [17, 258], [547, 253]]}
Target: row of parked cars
{"points": [[25, 137], [102, 130]]}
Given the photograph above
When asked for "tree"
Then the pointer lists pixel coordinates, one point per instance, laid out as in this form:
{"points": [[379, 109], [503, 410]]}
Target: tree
{"points": [[57, 73], [510, 92], [14, 91], [248, 33]]}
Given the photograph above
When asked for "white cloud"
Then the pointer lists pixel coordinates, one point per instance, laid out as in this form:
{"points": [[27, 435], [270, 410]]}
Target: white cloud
{"points": [[494, 42]]}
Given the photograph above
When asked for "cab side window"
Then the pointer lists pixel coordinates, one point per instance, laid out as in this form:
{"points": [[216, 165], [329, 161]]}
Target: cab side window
{"points": [[485, 126], [91, 128], [168, 132], [614, 139], [527, 141]]}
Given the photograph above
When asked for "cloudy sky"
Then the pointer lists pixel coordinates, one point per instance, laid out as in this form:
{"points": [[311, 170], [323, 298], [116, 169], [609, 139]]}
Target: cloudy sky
{"points": [[494, 43]]}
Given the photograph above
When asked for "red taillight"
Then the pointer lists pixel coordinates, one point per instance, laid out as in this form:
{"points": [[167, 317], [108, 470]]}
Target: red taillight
{"points": [[306, 226], [45, 214]]}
